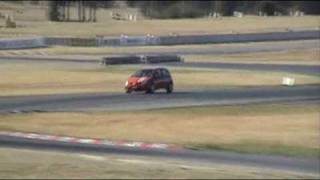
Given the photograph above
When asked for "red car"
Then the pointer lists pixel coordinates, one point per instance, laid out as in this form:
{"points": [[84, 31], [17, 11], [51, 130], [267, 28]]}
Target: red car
{"points": [[150, 80]]}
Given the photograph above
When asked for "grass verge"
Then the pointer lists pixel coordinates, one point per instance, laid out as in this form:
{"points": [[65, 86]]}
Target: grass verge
{"points": [[18, 163], [286, 129], [301, 56], [261, 148], [26, 78]]}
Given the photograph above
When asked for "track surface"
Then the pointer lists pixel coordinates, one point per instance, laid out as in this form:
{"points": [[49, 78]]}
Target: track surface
{"points": [[241, 48], [300, 69], [118, 101], [209, 157], [108, 101], [231, 48], [313, 70]]}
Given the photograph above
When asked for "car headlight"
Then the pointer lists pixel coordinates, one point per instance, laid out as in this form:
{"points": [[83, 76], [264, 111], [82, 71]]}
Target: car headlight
{"points": [[142, 80], [127, 83]]}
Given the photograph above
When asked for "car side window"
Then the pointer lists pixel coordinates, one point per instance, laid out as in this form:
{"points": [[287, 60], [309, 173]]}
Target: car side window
{"points": [[162, 75], [165, 73], [157, 74]]}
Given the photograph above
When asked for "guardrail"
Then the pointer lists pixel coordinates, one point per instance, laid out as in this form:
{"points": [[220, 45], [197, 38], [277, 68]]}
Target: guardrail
{"points": [[121, 60], [142, 59], [22, 43], [186, 39], [152, 59]]}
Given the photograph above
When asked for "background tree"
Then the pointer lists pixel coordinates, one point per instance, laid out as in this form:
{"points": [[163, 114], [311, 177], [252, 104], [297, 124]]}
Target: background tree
{"points": [[53, 11]]}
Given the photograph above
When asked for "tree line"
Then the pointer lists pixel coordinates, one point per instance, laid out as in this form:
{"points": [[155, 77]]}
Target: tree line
{"points": [[59, 10], [183, 9], [86, 10]]}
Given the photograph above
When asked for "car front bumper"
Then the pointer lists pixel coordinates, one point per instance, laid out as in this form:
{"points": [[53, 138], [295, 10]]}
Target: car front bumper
{"points": [[137, 87]]}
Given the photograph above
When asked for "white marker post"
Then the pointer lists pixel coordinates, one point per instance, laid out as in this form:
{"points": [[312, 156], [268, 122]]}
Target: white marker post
{"points": [[287, 81]]}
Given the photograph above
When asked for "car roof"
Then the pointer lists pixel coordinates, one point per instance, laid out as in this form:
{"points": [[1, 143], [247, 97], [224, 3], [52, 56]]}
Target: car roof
{"points": [[154, 68]]}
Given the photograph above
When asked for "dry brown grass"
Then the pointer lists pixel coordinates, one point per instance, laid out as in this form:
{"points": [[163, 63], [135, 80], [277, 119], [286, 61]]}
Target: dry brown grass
{"points": [[164, 27], [17, 163], [34, 23], [295, 125], [209, 78], [25, 78]]}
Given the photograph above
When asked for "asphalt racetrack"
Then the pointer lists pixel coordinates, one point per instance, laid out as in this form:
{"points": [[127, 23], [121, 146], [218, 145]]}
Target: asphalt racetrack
{"points": [[121, 101], [230, 49], [306, 165], [90, 102]]}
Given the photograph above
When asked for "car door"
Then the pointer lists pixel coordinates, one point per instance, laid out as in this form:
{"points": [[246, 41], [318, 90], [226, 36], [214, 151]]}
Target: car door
{"points": [[162, 79], [157, 79], [166, 79]]}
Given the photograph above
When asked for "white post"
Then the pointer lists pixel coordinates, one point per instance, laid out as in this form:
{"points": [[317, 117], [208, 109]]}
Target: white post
{"points": [[287, 81]]}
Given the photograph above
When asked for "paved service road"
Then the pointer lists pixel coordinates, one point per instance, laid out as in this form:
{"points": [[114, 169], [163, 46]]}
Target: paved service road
{"points": [[230, 48], [292, 68], [217, 49], [240, 48], [121, 101]]}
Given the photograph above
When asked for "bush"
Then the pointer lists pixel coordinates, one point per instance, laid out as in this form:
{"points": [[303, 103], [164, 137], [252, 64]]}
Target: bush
{"points": [[10, 23], [189, 9], [166, 10], [53, 13]]}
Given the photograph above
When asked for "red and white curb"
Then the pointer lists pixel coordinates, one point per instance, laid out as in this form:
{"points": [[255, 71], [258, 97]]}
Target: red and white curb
{"points": [[23, 53], [102, 142]]}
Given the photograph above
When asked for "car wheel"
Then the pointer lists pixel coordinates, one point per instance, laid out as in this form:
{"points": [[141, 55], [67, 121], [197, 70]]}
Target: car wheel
{"points": [[151, 89], [128, 91], [169, 88]]}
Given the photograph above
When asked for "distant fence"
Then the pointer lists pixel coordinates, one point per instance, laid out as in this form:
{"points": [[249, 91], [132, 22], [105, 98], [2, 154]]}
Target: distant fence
{"points": [[185, 39], [158, 40], [104, 41], [22, 43]]}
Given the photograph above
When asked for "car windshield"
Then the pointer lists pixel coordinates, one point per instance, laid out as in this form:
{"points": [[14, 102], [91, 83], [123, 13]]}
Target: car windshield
{"points": [[143, 73]]}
